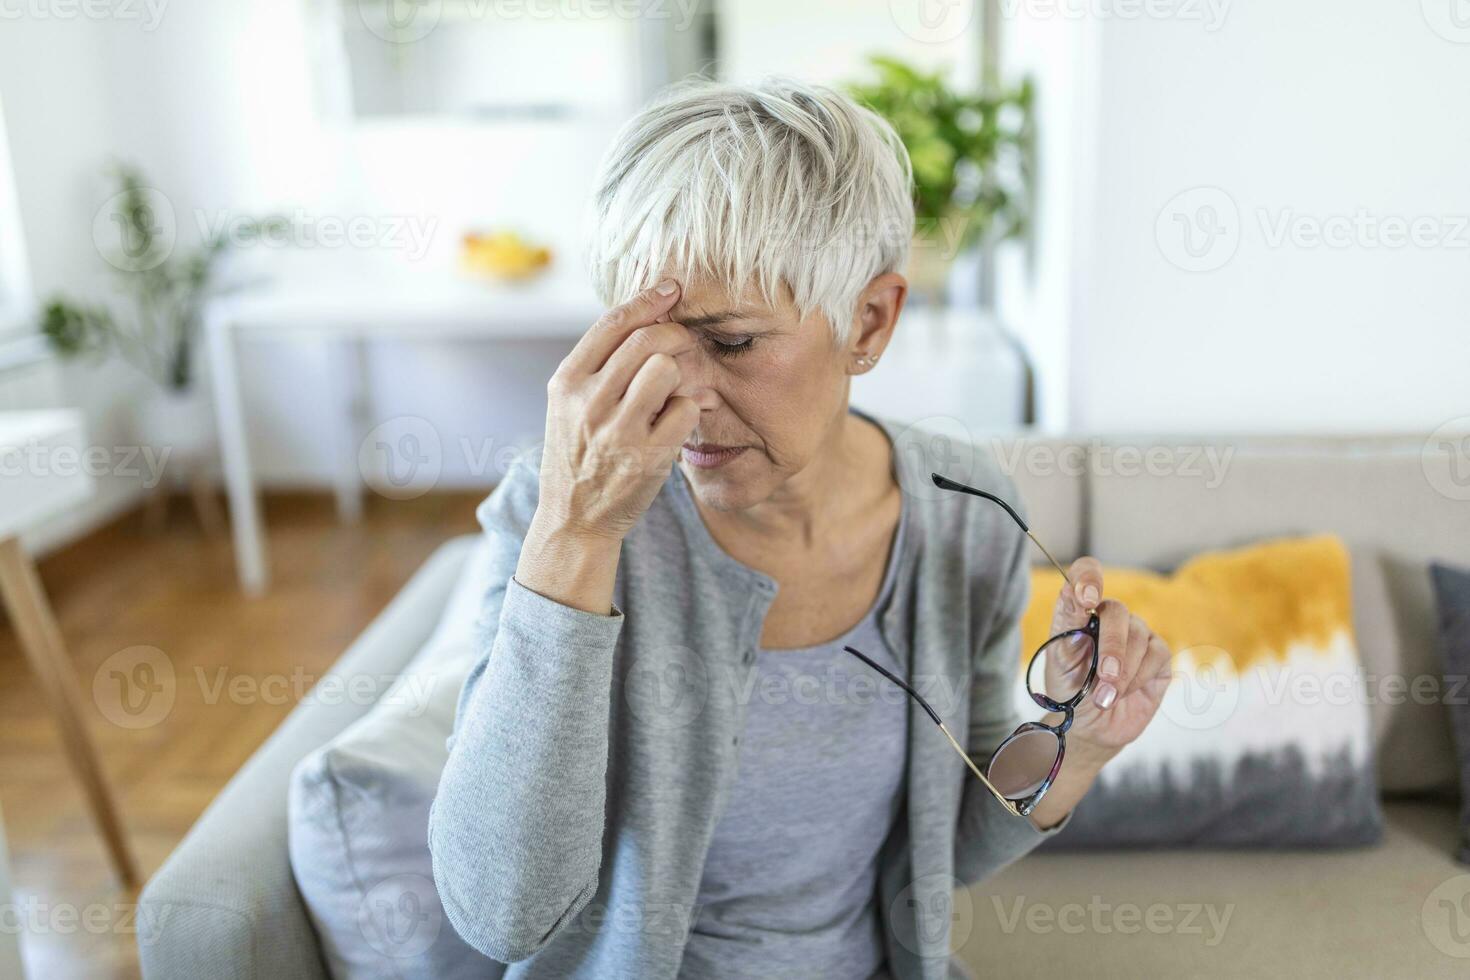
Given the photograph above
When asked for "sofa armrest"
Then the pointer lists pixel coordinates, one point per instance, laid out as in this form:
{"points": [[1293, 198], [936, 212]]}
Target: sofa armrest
{"points": [[225, 905]]}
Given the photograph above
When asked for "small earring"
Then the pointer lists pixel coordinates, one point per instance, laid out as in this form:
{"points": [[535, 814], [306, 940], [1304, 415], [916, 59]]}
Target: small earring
{"points": [[866, 361]]}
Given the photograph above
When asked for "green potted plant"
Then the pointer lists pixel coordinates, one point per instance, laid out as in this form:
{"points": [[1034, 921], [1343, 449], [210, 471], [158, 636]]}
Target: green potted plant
{"points": [[972, 161], [165, 288]]}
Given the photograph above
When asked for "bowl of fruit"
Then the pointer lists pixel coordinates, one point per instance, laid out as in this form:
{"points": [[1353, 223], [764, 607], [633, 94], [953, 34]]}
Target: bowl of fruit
{"points": [[503, 256]]}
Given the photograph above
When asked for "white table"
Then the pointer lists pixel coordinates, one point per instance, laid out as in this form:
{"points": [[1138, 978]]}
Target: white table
{"points": [[41, 476], [351, 313]]}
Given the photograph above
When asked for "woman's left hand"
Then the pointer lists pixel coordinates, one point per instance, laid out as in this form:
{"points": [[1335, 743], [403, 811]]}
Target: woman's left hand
{"points": [[1133, 672]]}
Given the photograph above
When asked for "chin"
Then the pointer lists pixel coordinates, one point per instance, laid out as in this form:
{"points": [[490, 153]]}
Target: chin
{"points": [[721, 489]]}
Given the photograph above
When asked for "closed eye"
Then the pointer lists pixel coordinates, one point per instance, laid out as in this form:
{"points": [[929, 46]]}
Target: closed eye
{"points": [[722, 349]]}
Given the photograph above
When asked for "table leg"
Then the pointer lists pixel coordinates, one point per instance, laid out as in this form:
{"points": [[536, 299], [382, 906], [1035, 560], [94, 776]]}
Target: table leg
{"points": [[250, 556], [347, 367], [41, 640]]}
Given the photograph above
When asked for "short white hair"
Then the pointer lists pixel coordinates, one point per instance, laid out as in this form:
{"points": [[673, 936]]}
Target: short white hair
{"points": [[776, 183]]}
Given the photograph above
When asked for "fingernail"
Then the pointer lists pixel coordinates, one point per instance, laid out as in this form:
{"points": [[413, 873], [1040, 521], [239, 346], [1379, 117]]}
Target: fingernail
{"points": [[1089, 595], [666, 288], [1105, 695], [1109, 668]]}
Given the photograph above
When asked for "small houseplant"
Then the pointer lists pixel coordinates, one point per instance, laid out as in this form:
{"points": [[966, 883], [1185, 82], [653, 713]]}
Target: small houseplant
{"points": [[165, 288], [972, 161]]}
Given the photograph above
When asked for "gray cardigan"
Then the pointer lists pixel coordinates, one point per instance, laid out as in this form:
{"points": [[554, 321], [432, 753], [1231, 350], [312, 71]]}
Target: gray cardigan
{"points": [[592, 753]]}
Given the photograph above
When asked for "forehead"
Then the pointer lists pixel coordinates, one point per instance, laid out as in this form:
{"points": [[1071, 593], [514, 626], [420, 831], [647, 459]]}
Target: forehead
{"points": [[705, 295]]}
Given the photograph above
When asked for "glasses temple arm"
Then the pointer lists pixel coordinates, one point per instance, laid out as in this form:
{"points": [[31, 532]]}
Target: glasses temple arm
{"points": [[935, 716], [944, 483]]}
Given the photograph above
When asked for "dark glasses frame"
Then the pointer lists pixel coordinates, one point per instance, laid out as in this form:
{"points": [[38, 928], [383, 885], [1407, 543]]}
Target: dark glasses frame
{"points": [[1021, 806]]}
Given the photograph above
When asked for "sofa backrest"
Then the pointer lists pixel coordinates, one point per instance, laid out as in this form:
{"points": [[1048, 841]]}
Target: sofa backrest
{"points": [[1398, 501]]}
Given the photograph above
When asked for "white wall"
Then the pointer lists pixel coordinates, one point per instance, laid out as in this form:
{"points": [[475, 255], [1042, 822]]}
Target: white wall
{"points": [[1312, 109], [53, 81]]}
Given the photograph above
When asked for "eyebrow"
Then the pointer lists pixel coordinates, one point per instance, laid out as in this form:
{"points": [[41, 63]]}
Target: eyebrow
{"points": [[711, 319]]}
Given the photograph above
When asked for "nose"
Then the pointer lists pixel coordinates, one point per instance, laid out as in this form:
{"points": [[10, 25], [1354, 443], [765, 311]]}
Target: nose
{"points": [[697, 379]]}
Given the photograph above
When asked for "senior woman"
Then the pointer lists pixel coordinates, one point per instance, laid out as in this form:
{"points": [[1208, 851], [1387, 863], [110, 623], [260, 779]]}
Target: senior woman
{"points": [[665, 763]]}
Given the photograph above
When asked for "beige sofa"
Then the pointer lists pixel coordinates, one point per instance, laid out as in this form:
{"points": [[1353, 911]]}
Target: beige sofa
{"points": [[1388, 911]]}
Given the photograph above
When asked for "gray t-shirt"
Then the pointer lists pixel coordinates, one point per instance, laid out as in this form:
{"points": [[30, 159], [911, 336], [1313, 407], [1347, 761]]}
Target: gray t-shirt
{"points": [[790, 880]]}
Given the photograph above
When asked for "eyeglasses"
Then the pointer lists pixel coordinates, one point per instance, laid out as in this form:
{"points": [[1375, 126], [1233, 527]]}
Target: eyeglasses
{"points": [[1026, 764]]}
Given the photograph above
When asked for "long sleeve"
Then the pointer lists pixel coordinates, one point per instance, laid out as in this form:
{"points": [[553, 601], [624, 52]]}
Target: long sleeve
{"points": [[516, 826], [989, 837]]}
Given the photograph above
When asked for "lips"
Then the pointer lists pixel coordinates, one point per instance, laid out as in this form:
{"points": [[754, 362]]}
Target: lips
{"points": [[707, 455]]}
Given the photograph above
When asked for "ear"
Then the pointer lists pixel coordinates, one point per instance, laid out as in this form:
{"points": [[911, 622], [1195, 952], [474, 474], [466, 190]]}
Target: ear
{"points": [[876, 315]]}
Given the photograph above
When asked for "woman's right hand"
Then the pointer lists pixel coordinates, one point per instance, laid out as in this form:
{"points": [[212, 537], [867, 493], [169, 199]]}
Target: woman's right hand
{"points": [[613, 430]]}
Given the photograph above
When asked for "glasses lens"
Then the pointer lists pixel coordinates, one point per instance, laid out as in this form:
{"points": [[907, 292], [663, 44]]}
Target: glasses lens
{"points": [[1062, 666], [1023, 763]]}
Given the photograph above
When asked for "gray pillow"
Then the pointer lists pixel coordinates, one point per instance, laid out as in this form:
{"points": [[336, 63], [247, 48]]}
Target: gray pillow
{"points": [[359, 817], [1452, 595]]}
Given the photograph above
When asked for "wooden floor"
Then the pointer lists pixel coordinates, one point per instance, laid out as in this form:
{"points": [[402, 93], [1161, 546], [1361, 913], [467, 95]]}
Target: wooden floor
{"points": [[175, 590]]}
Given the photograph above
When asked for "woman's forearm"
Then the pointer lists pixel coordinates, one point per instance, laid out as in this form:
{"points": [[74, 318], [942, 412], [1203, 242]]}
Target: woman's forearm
{"points": [[516, 826]]}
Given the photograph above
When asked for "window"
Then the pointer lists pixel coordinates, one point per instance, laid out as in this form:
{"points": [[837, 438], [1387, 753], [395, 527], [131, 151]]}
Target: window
{"points": [[19, 339]]}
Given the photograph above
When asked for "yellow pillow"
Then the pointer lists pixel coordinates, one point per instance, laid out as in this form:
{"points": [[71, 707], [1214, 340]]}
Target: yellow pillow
{"points": [[1254, 602], [1262, 739]]}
